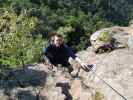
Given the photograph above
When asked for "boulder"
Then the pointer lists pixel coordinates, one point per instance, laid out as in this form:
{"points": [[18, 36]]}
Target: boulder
{"points": [[81, 91], [111, 72], [111, 38], [115, 68], [130, 42]]}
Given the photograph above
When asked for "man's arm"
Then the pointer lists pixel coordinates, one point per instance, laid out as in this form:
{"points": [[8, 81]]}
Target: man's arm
{"points": [[83, 65], [75, 57], [47, 56]]}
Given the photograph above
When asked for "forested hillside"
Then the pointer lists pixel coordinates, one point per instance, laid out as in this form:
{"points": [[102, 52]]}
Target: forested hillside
{"points": [[26, 25]]}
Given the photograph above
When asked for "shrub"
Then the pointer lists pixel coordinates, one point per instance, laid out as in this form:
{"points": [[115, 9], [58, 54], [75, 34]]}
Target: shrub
{"points": [[17, 45], [105, 36]]}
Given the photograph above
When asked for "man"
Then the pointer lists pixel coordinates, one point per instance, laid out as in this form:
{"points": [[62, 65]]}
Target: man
{"points": [[58, 52]]}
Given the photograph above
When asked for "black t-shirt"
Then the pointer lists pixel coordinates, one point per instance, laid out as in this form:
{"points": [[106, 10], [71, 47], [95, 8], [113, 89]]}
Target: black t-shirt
{"points": [[59, 54]]}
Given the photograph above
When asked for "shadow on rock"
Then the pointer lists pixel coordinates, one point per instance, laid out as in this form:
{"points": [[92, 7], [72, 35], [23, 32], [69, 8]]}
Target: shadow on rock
{"points": [[28, 95], [65, 90], [16, 82]]}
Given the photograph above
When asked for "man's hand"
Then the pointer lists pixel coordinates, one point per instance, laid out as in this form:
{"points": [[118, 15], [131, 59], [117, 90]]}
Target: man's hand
{"points": [[86, 67], [52, 67], [49, 64]]}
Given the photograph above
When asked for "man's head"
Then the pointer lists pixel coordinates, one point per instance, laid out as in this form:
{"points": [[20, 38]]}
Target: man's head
{"points": [[57, 40]]}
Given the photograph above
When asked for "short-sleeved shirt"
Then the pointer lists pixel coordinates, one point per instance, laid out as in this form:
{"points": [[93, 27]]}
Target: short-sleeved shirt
{"points": [[59, 54]]}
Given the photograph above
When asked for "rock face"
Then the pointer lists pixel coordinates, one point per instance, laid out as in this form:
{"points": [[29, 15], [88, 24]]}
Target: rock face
{"points": [[115, 68], [112, 38], [37, 82], [33, 83], [111, 76], [130, 42]]}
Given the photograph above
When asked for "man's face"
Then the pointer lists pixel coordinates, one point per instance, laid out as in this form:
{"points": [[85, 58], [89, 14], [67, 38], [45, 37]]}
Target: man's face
{"points": [[58, 41]]}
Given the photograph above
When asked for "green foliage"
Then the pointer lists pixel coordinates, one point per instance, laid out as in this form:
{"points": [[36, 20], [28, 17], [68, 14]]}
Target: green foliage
{"points": [[105, 36], [64, 31], [17, 45], [99, 96], [25, 25]]}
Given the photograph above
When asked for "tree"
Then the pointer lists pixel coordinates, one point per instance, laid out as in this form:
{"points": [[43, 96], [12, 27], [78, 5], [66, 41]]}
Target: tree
{"points": [[17, 45]]}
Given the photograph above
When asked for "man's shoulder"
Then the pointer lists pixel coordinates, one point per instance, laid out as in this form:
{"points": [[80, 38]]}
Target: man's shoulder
{"points": [[70, 49], [66, 46], [50, 46]]}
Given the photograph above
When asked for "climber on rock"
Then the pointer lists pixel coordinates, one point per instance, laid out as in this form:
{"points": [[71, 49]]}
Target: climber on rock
{"points": [[57, 52]]}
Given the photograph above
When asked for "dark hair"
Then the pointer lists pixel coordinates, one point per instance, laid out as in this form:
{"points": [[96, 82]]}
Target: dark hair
{"points": [[58, 35], [53, 36]]}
